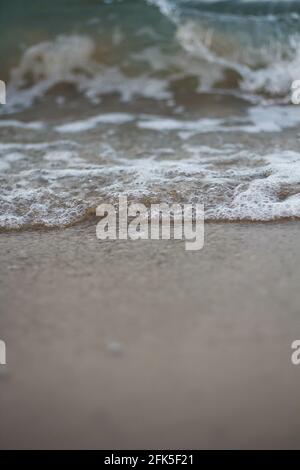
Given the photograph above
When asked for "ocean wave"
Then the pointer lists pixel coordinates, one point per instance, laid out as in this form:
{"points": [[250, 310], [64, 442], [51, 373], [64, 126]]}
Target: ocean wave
{"points": [[223, 45], [258, 40], [69, 60], [234, 183], [267, 68]]}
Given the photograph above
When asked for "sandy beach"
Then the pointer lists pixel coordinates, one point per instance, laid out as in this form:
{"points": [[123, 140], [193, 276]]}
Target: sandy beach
{"points": [[145, 345], [124, 112]]}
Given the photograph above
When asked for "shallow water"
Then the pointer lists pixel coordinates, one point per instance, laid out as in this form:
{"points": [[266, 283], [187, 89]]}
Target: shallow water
{"points": [[160, 100]]}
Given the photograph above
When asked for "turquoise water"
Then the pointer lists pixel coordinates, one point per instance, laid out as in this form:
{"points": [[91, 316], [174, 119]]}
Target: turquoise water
{"points": [[169, 100]]}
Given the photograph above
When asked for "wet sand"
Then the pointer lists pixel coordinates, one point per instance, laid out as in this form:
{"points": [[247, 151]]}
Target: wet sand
{"points": [[145, 345]]}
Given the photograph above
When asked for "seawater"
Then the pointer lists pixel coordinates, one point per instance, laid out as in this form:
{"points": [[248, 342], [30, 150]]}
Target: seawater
{"points": [[159, 100]]}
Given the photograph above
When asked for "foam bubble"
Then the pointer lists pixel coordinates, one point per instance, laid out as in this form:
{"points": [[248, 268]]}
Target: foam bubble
{"points": [[258, 119], [91, 123], [22, 125]]}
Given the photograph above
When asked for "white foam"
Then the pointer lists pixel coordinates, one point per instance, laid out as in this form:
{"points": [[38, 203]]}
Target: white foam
{"points": [[262, 199], [22, 125], [35, 145], [270, 68], [69, 59], [258, 119], [49, 63], [63, 156], [14, 157], [253, 187], [112, 80], [91, 123], [54, 183], [169, 124]]}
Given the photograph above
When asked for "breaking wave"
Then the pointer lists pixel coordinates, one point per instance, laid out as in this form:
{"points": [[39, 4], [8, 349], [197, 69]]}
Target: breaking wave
{"points": [[247, 46]]}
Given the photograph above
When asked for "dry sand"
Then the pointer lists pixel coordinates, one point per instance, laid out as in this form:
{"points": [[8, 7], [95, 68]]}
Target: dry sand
{"points": [[144, 345]]}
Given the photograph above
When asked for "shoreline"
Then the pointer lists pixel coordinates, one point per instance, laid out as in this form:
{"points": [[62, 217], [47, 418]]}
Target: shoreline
{"points": [[90, 220]]}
